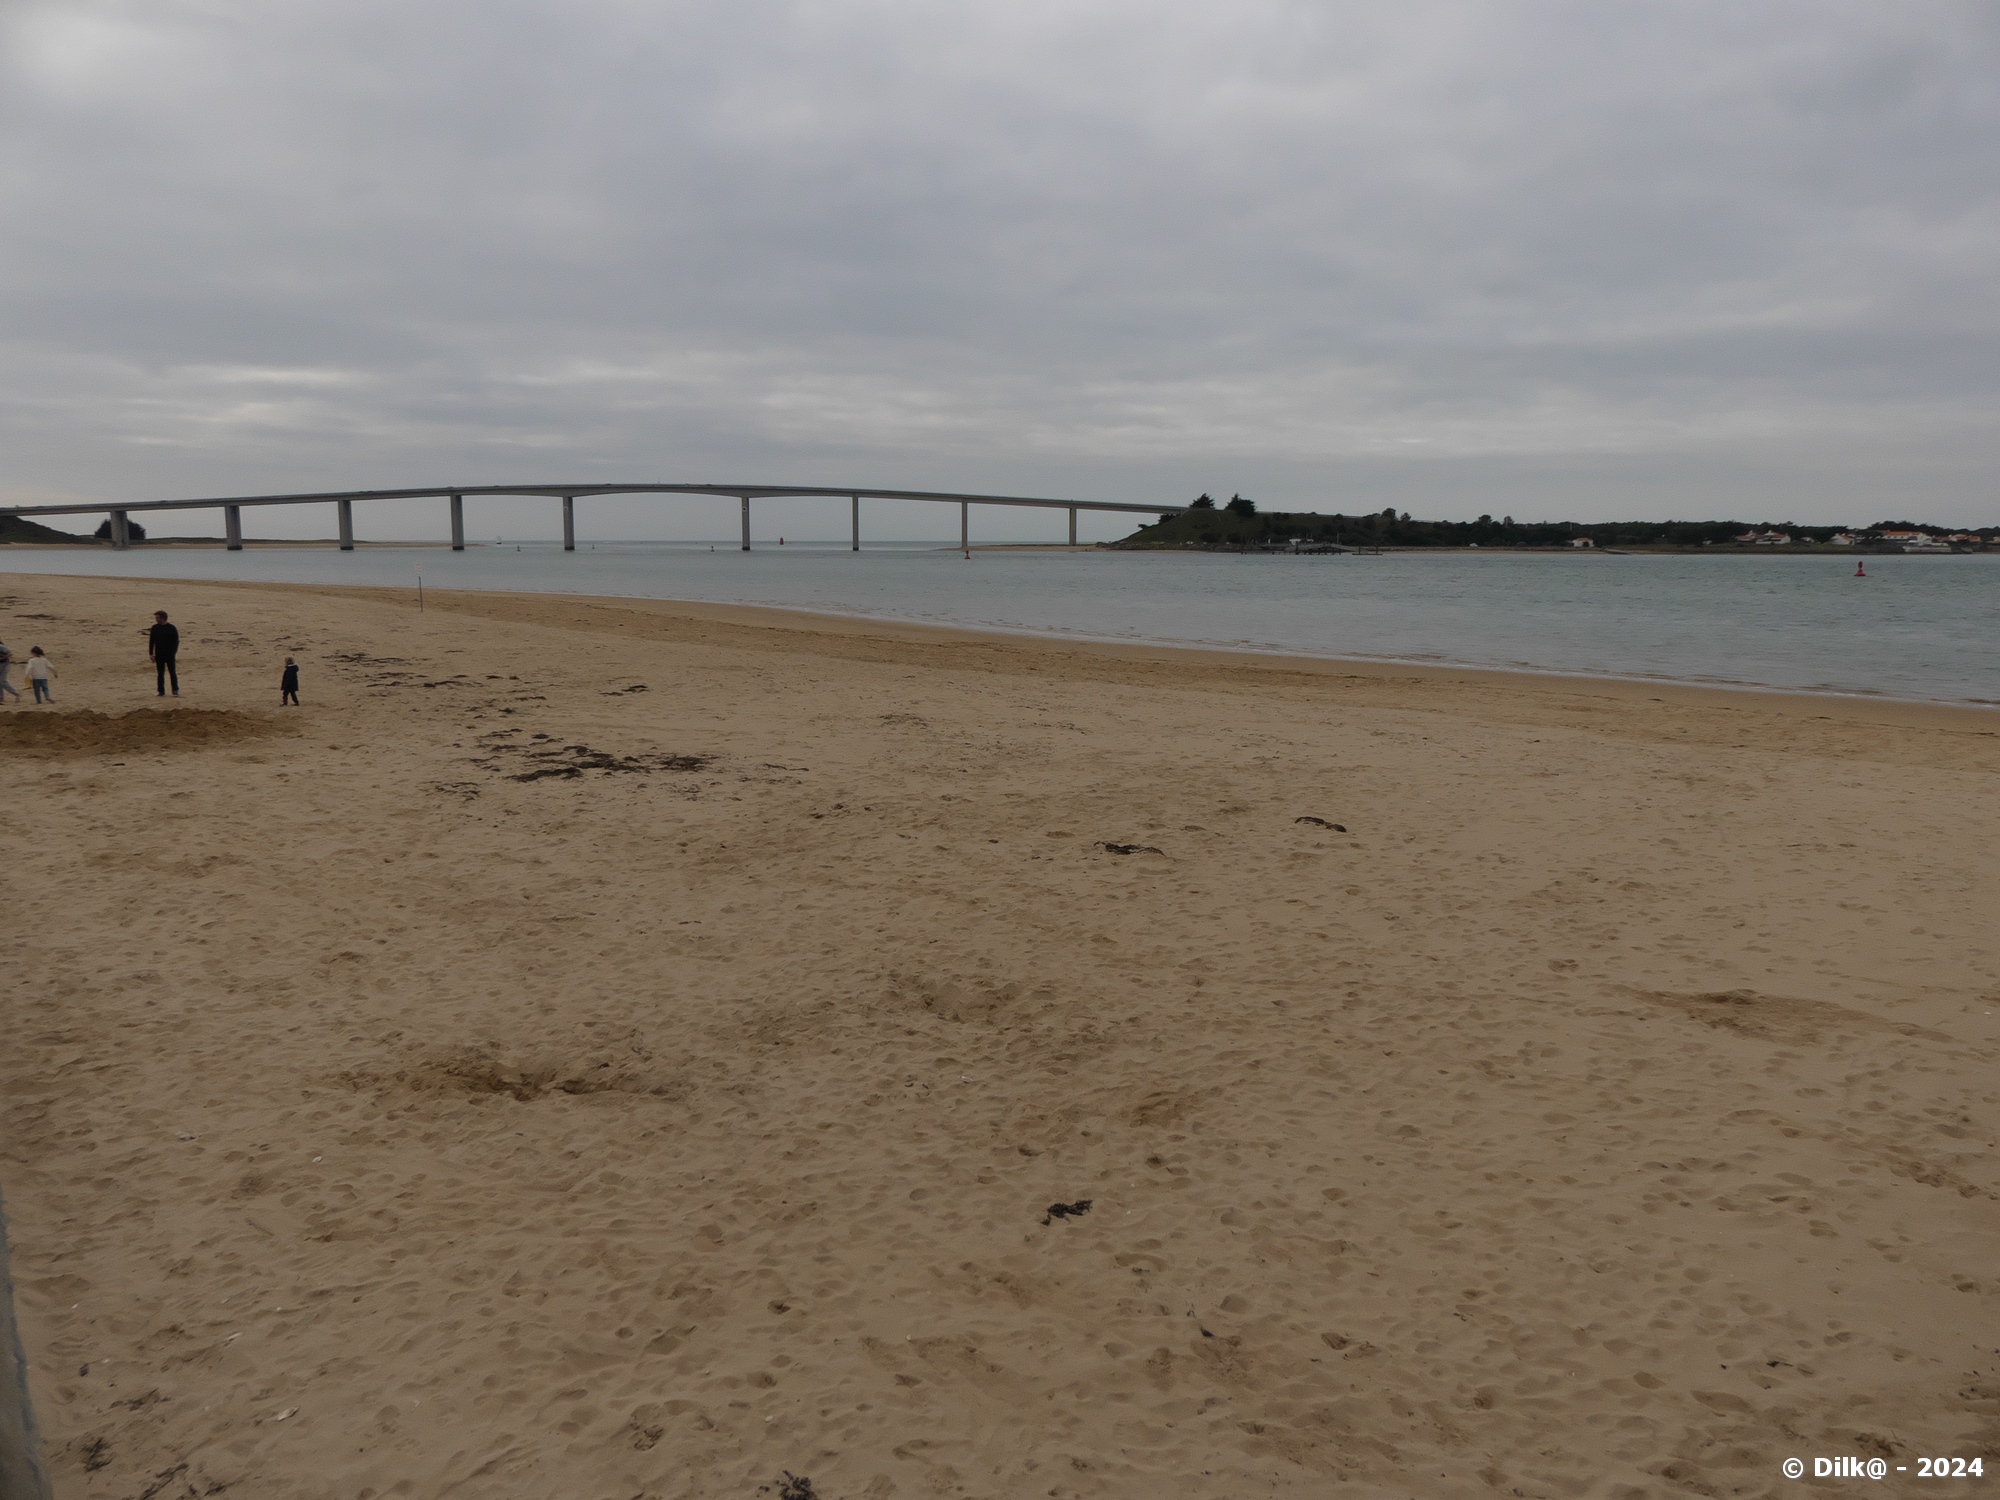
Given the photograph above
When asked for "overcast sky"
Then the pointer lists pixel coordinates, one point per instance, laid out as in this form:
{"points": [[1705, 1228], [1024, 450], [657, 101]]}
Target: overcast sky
{"points": [[1559, 260]]}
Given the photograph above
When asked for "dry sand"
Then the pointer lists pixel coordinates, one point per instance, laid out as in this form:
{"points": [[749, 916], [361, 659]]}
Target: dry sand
{"points": [[493, 1079]]}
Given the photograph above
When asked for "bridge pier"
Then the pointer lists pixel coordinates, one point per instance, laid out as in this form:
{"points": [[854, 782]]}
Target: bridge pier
{"points": [[965, 526], [857, 523], [1072, 525], [569, 523], [232, 527], [121, 531], [746, 523], [346, 509], [458, 523]]}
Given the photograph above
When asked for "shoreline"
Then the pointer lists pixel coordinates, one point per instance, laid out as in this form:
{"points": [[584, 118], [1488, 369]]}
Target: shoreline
{"points": [[625, 1047], [1968, 715], [1119, 547], [213, 545]]}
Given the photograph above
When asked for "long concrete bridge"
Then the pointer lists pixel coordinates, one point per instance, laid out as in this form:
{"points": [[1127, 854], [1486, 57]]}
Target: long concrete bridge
{"points": [[344, 501]]}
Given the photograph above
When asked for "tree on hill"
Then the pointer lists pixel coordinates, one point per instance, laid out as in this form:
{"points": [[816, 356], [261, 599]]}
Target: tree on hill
{"points": [[1238, 506], [132, 529], [1203, 501]]}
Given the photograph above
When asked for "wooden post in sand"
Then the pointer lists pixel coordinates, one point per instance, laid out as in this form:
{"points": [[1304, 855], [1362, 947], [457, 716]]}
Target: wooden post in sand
{"points": [[346, 509], [746, 523], [121, 534], [22, 1476], [569, 523], [1072, 525], [232, 527], [857, 522], [458, 523]]}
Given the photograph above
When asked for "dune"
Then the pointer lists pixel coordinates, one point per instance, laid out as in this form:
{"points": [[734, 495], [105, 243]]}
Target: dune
{"points": [[618, 1048]]}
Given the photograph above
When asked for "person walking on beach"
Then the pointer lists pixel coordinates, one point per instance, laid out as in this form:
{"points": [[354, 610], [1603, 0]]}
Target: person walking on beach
{"points": [[288, 685], [6, 666], [40, 671], [163, 644]]}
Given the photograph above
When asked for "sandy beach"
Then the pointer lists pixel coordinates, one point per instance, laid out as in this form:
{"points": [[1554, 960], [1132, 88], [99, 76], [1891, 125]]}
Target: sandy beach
{"points": [[614, 1049]]}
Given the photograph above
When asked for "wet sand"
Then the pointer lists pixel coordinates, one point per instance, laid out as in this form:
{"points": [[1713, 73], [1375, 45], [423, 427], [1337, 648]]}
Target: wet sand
{"points": [[615, 1048]]}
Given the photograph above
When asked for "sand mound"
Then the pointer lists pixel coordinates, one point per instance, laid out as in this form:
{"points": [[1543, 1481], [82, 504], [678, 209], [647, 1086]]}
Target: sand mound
{"points": [[86, 732]]}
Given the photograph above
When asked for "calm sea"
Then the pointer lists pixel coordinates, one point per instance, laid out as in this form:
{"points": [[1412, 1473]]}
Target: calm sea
{"points": [[1916, 627]]}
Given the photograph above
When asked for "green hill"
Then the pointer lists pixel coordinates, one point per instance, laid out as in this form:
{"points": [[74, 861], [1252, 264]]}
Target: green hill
{"points": [[17, 529], [1240, 524]]}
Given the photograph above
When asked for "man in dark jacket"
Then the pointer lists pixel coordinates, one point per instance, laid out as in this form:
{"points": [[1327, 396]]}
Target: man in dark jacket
{"points": [[163, 644]]}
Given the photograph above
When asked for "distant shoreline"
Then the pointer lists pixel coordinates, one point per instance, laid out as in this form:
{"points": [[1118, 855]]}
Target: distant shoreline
{"points": [[199, 545], [216, 544], [1806, 549]]}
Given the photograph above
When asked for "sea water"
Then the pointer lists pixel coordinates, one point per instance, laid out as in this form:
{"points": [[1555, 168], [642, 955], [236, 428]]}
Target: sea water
{"points": [[1916, 627]]}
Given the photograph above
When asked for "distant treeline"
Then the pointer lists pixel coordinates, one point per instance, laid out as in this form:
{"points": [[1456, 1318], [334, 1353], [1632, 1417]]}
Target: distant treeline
{"points": [[1239, 523]]}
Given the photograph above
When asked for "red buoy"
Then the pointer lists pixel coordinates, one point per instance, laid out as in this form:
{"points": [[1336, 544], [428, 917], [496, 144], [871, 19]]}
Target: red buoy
{"points": [[1860, 568]]}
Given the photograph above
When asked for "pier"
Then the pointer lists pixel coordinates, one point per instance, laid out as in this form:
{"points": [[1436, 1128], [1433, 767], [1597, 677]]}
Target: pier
{"points": [[344, 501]]}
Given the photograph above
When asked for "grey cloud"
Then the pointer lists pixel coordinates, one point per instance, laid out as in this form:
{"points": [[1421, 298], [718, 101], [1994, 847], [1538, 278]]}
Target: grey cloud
{"points": [[1559, 258]]}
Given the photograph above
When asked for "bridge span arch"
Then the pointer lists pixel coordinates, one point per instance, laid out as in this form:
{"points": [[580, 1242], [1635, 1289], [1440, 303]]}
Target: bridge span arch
{"points": [[343, 501]]}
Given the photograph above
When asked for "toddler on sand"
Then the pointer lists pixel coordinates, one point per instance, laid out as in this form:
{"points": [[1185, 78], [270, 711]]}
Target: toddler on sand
{"points": [[40, 671]]}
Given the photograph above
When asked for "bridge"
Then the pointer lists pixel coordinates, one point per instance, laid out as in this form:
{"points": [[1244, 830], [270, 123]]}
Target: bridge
{"points": [[344, 501]]}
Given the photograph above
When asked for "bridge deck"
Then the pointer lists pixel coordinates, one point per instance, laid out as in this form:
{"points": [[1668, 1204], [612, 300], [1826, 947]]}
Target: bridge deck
{"points": [[232, 505], [561, 491]]}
